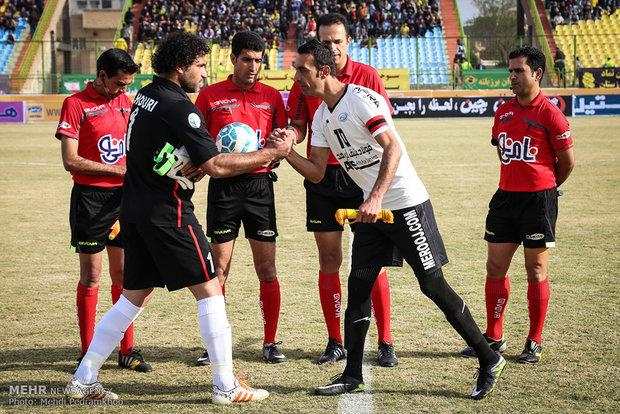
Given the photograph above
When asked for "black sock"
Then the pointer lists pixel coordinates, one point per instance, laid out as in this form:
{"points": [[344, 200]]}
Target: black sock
{"points": [[357, 318], [457, 313]]}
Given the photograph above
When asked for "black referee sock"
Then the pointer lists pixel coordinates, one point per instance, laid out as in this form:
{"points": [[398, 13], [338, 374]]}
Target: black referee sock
{"points": [[457, 313], [357, 317]]}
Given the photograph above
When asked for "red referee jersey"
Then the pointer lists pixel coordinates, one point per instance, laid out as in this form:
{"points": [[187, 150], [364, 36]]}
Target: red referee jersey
{"points": [[302, 108], [100, 126], [529, 137], [261, 107]]}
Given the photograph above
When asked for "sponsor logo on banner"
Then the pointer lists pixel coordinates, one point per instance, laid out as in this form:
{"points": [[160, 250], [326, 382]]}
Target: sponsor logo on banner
{"points": [[13, 112], [35, 112], [596, 105], [484, 106]]}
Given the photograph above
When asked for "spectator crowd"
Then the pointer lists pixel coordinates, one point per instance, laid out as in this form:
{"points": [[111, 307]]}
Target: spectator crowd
{"points": [[571, 11], [275, 20], [369, 18], [217, 20], [12, 10]]}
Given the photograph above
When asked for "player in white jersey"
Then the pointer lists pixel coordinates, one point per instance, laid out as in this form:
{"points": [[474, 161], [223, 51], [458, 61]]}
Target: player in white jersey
{"points": [[356, 124]]}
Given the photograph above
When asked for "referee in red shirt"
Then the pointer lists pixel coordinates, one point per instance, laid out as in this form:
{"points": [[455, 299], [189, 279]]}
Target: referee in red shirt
{"points": [[535, 149], [246, 198], [336, 191], [92, 129]]}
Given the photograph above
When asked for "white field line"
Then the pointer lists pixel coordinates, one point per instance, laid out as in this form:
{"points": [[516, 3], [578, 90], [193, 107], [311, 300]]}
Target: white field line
{"points": [[358, 403]]}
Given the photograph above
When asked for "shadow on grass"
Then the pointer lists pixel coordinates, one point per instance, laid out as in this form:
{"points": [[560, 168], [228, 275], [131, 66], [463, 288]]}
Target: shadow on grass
{"points": [[64, 359]]}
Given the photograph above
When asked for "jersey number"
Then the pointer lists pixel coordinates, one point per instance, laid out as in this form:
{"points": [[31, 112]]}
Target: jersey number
{"points": [[210, 260], [132, 119], [342, 138]]}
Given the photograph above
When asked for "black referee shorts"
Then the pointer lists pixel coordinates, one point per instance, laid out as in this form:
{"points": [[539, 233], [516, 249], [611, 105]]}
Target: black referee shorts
{"points": [[336, 190], [166, 256], [523, 217], [247, 199], [413, 236], [92, 213]]}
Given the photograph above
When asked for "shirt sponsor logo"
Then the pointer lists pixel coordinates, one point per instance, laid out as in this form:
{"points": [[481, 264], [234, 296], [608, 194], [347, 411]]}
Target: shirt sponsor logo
{"points": [[315, 221], [225, 107], [95, 111], [266, 233], [111, 149], [511, 150], [64, 125], [225, 231], [535, 236], [225, 102], [354, 152], [361, 164], [145, 102], [265, 105], [419, 239], [503, 118], [194, 120], [366, 95]]}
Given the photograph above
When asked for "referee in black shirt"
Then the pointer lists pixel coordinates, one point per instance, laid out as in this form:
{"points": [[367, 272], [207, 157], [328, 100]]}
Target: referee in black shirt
{"points": [[168, 149]]}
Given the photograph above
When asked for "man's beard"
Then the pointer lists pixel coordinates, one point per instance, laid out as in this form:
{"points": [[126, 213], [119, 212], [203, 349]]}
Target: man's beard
{"points": [[189, 87]]}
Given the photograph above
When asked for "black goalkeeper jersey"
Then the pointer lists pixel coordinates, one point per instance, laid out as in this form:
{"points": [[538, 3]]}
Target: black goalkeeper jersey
{"points": [[162, 119]]}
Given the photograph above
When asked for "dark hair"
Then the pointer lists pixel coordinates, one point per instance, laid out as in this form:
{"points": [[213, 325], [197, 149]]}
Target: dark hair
{"points": [[113, 61], [178, 50], [333, 18], [534, 58], [323, 55], [247, 40]]}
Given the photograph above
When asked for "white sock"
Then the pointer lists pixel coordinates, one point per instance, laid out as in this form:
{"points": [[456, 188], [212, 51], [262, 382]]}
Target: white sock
{"points": [[108, 333], [217, 338]]}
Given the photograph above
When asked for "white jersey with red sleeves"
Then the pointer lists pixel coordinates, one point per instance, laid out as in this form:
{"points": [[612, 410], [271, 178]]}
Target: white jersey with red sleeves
{"points": [[99, 125], [528, 138], [350, 129]]}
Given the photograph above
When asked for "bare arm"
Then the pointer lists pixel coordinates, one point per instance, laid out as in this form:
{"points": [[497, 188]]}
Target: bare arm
{"points": [[312, 168], [301, 127], [564, 165], [387, 169], [76, 164], [230, 164]]}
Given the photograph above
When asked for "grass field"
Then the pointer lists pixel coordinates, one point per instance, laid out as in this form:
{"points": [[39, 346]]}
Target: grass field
{"points": [[580, 367]]}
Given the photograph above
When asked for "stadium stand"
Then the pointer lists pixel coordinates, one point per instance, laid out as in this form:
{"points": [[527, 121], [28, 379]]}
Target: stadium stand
{"points": [[10, 44], [571, 11], [592, 41], [425, 56], [18, 19], [408, 33]]}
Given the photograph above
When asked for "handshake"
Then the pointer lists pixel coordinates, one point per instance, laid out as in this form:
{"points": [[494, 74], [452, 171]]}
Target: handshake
{"points": [[281, 140]]}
